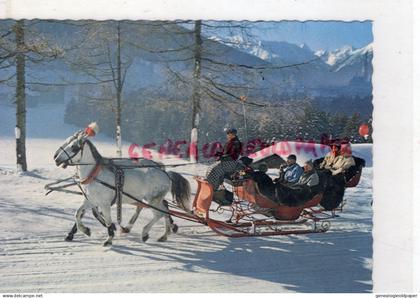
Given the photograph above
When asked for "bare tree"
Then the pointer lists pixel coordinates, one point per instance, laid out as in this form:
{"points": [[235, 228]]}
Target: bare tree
{"points": [[212, 77], [20, 97], [15, 53], [101, 59], [196, 93]]}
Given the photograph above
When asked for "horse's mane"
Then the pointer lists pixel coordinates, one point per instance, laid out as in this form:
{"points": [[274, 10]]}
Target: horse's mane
{"points": [[112, 161], [96, 155]]}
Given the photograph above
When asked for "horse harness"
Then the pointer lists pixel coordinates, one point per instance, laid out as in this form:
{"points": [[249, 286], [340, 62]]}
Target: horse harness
{"points": [[118, 170], [118, 185]]}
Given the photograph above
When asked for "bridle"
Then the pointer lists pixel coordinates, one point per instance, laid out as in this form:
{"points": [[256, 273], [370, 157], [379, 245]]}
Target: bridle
{"points": [[81, 144], [69, 161]]}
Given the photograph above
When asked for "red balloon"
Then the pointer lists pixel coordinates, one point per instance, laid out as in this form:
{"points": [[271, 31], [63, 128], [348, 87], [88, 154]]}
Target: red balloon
{"points": [[364, 130]]}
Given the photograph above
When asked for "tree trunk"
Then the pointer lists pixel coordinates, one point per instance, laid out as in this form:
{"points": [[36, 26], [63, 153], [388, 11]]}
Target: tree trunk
{"points": [[196, 92], [20, 129], [119, 91]]}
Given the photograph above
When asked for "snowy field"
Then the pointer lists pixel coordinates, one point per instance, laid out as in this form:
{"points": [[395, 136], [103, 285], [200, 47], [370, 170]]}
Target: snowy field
{"points": [[35, 258]]}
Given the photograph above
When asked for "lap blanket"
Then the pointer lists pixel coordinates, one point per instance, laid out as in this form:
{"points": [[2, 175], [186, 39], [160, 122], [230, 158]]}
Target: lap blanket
{"points": [[293, 196], [333, 190], [332, 187]]}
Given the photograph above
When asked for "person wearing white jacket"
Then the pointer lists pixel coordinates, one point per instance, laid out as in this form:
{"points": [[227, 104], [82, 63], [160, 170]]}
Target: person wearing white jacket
{"points": [[344, 161], [331, 157]]}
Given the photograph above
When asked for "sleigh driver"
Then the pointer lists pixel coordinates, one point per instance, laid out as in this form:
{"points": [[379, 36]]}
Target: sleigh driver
{"points": [[227, 160]]}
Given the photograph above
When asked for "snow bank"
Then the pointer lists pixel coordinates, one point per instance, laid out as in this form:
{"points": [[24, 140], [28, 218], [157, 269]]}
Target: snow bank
{"points": [[364, 151]]}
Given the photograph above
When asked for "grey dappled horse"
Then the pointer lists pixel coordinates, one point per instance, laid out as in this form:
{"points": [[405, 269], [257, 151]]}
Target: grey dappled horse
{"points": [[148, 183]]}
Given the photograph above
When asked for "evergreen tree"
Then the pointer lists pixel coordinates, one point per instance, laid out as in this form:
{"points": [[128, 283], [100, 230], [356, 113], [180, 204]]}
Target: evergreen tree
{"points": [[351, 130]]}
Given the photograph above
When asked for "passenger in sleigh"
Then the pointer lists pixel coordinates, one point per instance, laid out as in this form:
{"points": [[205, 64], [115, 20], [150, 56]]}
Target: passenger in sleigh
{"points": [[331, 157], [290, 172], [344, 161], [340, 167], [299, 193], [335, 178]]}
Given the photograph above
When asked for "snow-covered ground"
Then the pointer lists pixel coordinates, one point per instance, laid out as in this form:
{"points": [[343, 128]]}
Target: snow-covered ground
{"points": [[34, 257]]}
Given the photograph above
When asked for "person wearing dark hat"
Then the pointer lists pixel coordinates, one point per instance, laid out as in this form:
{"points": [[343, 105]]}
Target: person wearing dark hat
{"points": [[227, 160], [233, 147], [291, 171]]}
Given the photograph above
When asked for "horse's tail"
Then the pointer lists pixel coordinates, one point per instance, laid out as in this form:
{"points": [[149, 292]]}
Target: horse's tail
{"points": [[181, 191]]}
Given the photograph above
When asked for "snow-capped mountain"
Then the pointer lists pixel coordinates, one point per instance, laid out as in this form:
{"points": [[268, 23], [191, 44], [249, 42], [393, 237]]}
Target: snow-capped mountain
{"points": [[363, 55], [272, 51], [325, 69], [346, 56], [355, 65], [337, 56], [254, 48], [284, 52]]}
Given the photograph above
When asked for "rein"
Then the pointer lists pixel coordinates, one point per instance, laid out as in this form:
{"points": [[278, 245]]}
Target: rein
{"points": [[139, 166]]}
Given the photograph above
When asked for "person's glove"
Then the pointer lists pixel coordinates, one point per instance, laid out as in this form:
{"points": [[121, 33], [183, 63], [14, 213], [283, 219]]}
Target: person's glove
{"points": [[335, 172]]}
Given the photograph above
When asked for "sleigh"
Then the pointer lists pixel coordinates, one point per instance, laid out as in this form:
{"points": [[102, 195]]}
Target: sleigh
{"points": [[253, 214]]}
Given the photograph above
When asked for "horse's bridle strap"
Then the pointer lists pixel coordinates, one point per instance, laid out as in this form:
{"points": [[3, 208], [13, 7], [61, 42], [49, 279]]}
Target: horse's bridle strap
{"points": [[92, 175]]}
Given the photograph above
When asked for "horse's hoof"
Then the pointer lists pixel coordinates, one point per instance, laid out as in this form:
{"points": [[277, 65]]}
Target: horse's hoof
{"points": [[86, 232], [175, 228], [107, 243], [163, 238], [145, 238], [125, 230], [69, 238]]}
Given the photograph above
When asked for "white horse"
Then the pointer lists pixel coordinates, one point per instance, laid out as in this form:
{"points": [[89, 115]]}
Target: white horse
{"points": [[145, 181]]}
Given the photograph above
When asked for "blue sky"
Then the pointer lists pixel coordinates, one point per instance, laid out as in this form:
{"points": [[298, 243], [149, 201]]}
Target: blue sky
{"points": [[317, 34]]}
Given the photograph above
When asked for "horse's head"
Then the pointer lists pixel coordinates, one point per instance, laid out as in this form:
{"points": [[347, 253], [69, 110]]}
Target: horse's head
{"points": [[71, 151]]}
